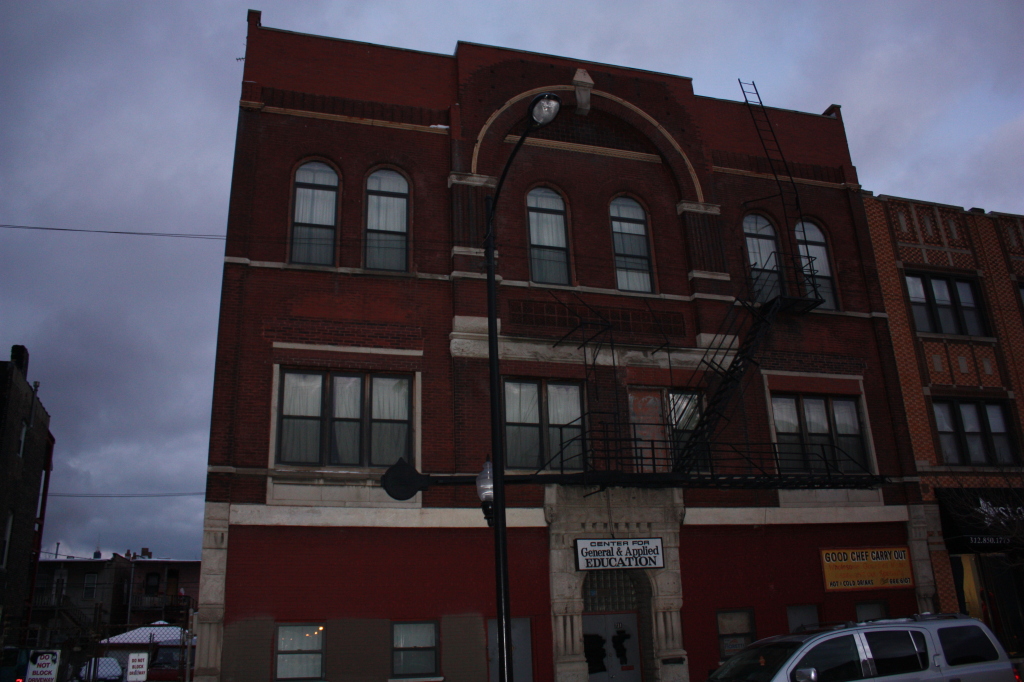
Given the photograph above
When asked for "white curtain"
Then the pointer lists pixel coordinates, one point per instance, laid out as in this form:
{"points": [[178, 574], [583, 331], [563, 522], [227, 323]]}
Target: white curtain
{"points": [[786, 420], [389, 437], [547, 229], [348, 397], [387, 181], [522, 432], [317, 173], [563, 404], [314, 206], [299, 638], [385, 213], [302, 395], [846, 417]]}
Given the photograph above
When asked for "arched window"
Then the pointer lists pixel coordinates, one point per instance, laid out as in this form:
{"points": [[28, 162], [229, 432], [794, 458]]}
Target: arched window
{"points": [[814, 261], [387, 217], [313, 226], [632, 253], [763, 257], [549, 244]]}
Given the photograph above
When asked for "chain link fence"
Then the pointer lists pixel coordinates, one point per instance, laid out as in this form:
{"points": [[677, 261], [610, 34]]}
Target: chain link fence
{"points": [[104, 653]]}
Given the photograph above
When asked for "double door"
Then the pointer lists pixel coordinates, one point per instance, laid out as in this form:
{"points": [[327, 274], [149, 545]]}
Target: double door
{"points": [[611, 644]]}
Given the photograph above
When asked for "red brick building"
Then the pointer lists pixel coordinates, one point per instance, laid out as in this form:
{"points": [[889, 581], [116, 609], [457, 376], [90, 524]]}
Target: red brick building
{"points": [[684, 364], [953, 282]]}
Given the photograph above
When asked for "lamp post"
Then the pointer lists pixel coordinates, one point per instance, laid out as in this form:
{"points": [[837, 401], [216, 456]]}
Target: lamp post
{"points": [[543, 110], [401, 481]]}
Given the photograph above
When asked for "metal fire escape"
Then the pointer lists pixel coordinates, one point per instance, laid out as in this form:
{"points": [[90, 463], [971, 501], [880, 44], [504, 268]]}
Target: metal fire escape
{"points": [[614, 452], [609, 450]]}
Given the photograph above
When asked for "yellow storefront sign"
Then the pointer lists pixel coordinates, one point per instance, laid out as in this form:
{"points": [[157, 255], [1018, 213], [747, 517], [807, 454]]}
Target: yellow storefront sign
{"points": [[869, 568]]}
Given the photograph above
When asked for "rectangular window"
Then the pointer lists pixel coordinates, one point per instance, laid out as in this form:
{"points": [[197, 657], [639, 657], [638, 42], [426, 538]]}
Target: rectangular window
{"points": [[683, 414], [543, 425], [387, 218], [549, 242], [973, 432], [632, 253], [89, 586], [735, 631], [344, 419], [872, 610], [313, 224], [300, 652], [819, 434], [414, 649], [802, 617], [944, 305], [898, 652]]}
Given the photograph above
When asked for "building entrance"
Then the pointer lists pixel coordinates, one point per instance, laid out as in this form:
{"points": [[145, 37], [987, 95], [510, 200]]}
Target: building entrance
{"points": [[613, 608], [611, 645]]}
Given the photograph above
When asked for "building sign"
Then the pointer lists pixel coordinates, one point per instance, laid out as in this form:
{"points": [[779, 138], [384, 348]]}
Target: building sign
{"points": [[867, 568], [979, 520], [606, 553], [138, 667], [43, 666]]}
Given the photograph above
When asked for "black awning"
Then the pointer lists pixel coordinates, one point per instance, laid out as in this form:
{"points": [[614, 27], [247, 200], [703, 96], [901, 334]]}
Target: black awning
{"points": [[978, 520]]}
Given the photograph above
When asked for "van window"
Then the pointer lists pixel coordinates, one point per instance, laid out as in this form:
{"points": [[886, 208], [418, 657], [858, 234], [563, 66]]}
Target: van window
{"points": [[836, 660], [897, 651], [966, 644]]}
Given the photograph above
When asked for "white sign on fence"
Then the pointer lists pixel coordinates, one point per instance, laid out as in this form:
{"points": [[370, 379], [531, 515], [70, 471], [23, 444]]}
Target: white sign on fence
{"points": [[43, 666], [605, 553], [138, 667]]}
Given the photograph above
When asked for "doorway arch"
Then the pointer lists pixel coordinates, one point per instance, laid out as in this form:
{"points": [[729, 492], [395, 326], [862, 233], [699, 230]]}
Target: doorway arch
{"points": [[622, 591]]}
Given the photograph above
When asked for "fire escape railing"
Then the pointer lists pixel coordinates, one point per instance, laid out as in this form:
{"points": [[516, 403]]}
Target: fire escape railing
{"points": [[611, 452]]}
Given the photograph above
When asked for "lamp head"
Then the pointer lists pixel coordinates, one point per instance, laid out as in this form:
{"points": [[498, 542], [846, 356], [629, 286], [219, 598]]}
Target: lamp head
{"points": [[485, 483], [544, 108]]}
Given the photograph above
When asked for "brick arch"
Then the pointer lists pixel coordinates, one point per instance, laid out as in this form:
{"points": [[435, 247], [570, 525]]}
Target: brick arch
{"points": [[677, 160]]}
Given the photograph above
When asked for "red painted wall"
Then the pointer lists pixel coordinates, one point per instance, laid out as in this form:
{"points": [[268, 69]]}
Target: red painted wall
{"points": [[317, 574], [768, 568]]}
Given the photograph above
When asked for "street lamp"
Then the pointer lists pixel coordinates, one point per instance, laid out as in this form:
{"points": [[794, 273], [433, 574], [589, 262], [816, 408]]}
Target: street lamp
{"points": [[543, 110], [401, 481], [485, 491]]}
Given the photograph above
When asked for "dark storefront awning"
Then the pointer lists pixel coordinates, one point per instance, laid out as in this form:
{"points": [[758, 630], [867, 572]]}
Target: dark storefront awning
{"points": [[979, 520]]}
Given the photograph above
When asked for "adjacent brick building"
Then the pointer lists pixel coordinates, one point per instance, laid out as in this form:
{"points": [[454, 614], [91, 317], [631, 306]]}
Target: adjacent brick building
{"points": [[646, 255], [953, 282], [78, 593], [26, 452]]}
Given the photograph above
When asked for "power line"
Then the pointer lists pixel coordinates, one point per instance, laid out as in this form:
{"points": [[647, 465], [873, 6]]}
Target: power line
{"points": [[421, 245], [179, 235], [122, 495]]}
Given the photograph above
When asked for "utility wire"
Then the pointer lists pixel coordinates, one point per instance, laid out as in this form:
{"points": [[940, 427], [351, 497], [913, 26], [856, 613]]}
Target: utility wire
{"points": [[666, 266], [180, 235], [123, 494]]}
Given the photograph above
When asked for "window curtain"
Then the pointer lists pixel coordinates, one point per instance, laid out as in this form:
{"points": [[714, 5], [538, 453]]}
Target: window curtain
{"points": [[547, 237], [314, 207], [293, 643], [565, 426], [386, 218], [389, 414], [522, 430], [848, 435], [348, 409], [300, 423], [787, 434]]}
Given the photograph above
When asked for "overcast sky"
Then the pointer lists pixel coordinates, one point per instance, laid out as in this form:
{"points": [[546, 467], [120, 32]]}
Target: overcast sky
{"points": [[121, 116]]}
